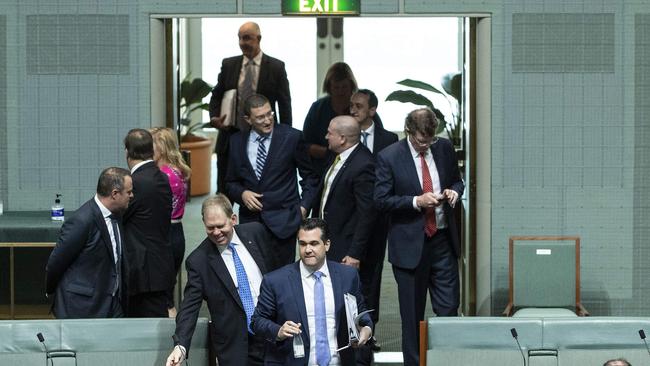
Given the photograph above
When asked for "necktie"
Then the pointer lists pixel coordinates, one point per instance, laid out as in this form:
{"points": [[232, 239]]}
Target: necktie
{"points": [[427, 186], [118, 253], [326, 183], [245, 91], [364, 138], [243, 288], [322, 345], [261, 156]]}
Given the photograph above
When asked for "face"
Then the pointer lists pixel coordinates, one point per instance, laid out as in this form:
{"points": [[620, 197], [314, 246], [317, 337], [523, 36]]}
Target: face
{"points": [[340, 89], [218, 225], [249, 40], [335, 140], [359, 108], [123, 197], [421, 142], [312, 248], [261, 119]]}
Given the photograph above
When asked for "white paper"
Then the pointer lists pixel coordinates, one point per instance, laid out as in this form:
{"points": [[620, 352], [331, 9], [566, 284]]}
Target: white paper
{"points": [[229, 107]]}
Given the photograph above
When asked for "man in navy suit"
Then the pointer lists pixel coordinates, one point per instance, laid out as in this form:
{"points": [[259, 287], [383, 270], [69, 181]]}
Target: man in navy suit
{"points": [[262, 176], [212, 275], [85, 269], [306, 299], [267, 77], [346, 193], [418, 184], [363, 107]]}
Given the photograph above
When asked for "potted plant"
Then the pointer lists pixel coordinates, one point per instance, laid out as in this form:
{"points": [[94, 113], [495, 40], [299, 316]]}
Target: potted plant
{"points": [[191, 94]]}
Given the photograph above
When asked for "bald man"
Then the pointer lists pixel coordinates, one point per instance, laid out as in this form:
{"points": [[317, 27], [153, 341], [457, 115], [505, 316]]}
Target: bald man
{"points": [[253, 72]]}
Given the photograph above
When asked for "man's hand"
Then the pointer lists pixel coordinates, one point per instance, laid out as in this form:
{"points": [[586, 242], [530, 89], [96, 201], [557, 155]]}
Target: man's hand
{"points": [[251, 200], [428, 200], [176, 357], [303, 212], [364, 335], [451, 196], [217, 122], [288, 330], [352, 262]]}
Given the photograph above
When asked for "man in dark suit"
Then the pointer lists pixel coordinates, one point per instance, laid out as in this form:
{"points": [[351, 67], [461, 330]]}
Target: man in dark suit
{"points": [[226, 270], [418, 184], [306, 299], [84, 271], [346, 191], [146, 230], [262, 176], [363, 107], [252, 72]]}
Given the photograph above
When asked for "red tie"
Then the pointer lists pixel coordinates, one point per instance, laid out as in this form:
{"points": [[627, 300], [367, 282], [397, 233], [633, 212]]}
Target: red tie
{"points": [[429, 213]]}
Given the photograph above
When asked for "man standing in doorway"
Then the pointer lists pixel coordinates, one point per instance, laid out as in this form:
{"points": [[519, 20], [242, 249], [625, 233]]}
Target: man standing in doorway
{"points": [[252, 72]]}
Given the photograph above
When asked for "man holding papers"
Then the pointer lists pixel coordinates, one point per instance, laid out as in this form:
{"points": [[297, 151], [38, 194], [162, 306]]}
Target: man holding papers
{"points": [[306, 299]]}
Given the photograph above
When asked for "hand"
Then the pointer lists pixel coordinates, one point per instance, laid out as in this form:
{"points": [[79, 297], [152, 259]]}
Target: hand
{"points": [[288, 330], [251, 200], [428, 200], [176, 357], [364, 335], [452, 197], [303, 212], [217, 122], [352, 262]]}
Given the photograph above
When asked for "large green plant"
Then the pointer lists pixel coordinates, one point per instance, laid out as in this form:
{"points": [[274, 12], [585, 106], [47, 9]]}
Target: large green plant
{"points": [[191, 97], [451, 90]]}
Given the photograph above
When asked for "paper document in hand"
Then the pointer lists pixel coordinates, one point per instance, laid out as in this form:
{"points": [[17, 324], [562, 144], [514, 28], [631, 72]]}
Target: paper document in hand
{"points": [[353, 317], [229, 107]]}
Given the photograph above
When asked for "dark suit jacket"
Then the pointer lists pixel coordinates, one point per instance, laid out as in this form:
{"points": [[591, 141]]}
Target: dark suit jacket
{"points": [[396, 185], [146, 231], [282, 298], [349, 210], [383, 139], [81, 271], [278, 184], [208, 279]]}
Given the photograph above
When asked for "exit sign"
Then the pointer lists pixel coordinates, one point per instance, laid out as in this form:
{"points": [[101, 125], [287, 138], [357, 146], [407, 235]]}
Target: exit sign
{"points": [[320, 7]]}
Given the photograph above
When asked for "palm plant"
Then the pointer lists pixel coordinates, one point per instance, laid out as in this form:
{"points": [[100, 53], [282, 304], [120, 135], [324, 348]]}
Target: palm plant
{"points": [[191, 97]]}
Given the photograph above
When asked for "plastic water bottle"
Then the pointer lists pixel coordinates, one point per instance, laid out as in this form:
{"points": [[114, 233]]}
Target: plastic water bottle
{"points": [[57, 209]]}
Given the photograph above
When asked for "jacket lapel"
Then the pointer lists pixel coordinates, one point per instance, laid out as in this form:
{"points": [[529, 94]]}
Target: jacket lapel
{"points": [[277, 140], [299, 296], [264, 68], [103, 229], [220, 269], [411, 170], [339, 310], [253, 250]]}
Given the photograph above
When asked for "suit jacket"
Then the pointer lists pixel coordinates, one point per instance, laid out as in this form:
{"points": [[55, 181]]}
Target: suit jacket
{"points": [[146, 231], [282, 298], [278, 183], [396, 185], [81, 270], [349, 209], [208, 279], [383, 139]]}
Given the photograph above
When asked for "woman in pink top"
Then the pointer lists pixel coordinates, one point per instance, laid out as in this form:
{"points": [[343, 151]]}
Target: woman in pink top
{"points": [[168, 157]]}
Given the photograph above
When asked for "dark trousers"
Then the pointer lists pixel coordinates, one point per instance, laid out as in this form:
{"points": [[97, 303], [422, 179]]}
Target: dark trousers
{"points": [[285, 251], [436, 272], [148, 305], [177, 240], [116, 307], [221, 149]]}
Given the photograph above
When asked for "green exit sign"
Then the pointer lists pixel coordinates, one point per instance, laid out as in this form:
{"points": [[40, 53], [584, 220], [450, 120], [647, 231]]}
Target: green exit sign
{"points": [[320, 7]]}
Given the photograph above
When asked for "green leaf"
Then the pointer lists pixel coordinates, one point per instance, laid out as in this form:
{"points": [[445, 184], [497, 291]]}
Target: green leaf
{"points": [[409, 96], [194, 91], [419, 85], [452, 84]]}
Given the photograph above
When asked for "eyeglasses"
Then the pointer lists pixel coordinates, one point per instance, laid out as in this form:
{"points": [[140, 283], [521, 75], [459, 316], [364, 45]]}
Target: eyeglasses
{"points": [[423, 142], [264, 117]]}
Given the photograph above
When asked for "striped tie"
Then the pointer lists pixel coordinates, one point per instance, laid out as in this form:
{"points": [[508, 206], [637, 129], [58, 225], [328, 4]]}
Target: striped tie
{"points": [[261, 156]]}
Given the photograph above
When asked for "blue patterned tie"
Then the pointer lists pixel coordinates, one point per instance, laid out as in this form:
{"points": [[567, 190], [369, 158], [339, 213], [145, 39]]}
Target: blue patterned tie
{"points": [[243, 288], [322, 345], [261, 156], [364, 138]]}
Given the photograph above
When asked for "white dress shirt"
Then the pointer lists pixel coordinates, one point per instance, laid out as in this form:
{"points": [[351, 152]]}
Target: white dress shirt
{"points": [[370, 139], [441, 222], [308, 281], [331, 174], [253, 145], [252, 270], [257, 61], [107, 213]]}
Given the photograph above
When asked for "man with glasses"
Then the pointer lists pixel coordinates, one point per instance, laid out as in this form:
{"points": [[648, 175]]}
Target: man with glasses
{"points": [[418, 183], [262, 178]]}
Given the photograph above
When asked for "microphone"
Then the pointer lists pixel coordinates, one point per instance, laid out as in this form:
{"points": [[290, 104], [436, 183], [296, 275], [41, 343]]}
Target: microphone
{"points": [[642, 335], [177, 342], [513, 332], [42, 340]]}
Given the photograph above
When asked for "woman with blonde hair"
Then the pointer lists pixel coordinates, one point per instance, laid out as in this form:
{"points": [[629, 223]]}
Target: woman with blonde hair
{"points": [[168, 157]]}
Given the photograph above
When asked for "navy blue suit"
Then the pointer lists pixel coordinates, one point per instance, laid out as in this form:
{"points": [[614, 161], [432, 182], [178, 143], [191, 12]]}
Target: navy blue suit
{"points": [[419, 263], [278, 183], [282, 298]]}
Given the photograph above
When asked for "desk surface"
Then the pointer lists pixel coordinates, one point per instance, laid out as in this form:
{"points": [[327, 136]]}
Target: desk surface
{"points": [[28, 226]]}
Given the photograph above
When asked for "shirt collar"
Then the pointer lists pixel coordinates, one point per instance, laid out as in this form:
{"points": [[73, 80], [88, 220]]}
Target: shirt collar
{"points": [[257, 59], [371, 129], [254, 135], [105, 212], [235, 240], [414, 153], [346, 153], [304, 272], [136, 166]]}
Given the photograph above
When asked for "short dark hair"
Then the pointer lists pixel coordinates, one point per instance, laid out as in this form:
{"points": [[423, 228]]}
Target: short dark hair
{"points": [[619, 360], [254, 101], [337, 72], [219, 200], [421, 120], [139, 144], [110, 179], [373, 102], [313, 223]]}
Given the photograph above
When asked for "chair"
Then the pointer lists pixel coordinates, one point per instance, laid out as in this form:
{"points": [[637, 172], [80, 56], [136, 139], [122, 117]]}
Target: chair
{"points": [[544, 277]]}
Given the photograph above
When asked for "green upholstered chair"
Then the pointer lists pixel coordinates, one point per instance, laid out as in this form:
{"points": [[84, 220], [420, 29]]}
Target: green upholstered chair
{"points": [[544, 277]]}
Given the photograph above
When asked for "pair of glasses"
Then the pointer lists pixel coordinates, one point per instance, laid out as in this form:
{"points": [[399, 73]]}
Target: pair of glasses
{"points": [[424, 142], [264, 117]]}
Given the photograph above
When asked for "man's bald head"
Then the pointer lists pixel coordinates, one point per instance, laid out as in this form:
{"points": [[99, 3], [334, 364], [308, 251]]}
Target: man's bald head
{"points": [[342, 133], [249, 39]]}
